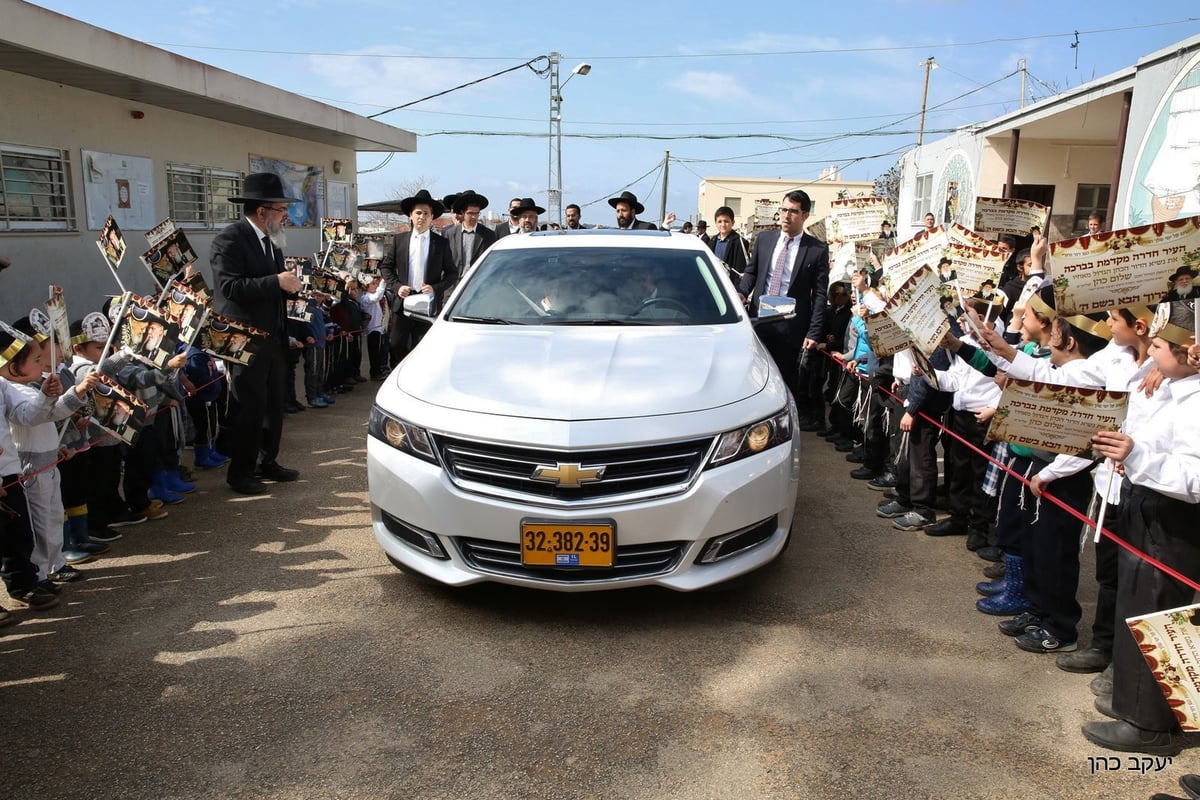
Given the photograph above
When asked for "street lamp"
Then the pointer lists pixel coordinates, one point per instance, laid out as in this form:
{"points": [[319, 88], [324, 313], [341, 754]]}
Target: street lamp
{"points": [[554, 163], [929, 65]]}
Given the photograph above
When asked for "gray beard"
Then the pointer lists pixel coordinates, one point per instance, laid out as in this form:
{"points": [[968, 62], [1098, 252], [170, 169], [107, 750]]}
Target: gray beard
{"points": [[279, 239]]}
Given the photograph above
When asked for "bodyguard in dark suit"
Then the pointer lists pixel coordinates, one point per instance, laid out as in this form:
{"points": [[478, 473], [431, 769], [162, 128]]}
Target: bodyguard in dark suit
{"points": [[512, 224], [468, 239], [790, 262], [627, 208], [252, 286], [433, 272]]}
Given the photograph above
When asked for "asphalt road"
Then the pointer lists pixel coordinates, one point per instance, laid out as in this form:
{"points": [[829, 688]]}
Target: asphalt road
{"points": [[264, 647]]}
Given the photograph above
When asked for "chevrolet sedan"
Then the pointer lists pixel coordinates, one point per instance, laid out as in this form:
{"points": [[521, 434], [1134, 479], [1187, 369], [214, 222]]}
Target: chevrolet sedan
{"points": [[591, 410]]}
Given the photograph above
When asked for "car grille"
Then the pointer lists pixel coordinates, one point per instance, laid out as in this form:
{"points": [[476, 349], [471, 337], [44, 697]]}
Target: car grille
{"points": [[632, 473], [629, 561]]}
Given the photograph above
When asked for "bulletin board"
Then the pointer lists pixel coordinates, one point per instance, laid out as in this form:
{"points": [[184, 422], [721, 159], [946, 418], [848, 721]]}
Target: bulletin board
{"points": [[119, 185]]}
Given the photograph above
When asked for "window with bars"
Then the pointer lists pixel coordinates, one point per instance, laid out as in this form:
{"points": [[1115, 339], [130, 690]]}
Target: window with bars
{"points": [[1090, 198], [922, 197], [35, 189], [198, 197]]}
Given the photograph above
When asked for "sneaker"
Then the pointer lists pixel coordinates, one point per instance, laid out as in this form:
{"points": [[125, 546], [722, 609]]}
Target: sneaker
{"points": [[890, 509], [105, 535], [36, 598], [885, 481], [1021, 623], [156, 510], [124, 518], [912, 521], [994, 571], [328, 398], [65, 574], [318, 402], [49, 586], [1040, 640], [93, 548]]}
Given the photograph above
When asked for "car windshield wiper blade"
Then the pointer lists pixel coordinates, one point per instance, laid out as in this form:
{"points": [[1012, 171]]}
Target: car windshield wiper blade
{"points": [[601, 321], [482, 320]]}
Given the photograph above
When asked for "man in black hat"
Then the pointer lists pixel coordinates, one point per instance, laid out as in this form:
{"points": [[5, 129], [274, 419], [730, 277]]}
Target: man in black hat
{"points": [[628, 208], [415, 261], [252, 286], [468, 239], [1181, 285], [526, 214], [702, 232], [512, 224]]}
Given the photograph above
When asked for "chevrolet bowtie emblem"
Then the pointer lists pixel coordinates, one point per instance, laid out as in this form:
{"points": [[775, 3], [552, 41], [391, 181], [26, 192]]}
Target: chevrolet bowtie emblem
{"points": [[567, 476]]}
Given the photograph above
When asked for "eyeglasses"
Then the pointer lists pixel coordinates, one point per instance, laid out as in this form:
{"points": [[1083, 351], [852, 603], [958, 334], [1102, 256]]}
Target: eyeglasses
{"points": [[790, 211], [280, 209]]}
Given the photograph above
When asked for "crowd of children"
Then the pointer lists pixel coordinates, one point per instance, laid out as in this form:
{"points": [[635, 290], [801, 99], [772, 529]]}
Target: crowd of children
{"points": [[1022, 509]]}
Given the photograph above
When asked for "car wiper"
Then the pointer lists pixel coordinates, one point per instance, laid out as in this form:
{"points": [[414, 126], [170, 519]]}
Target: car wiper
{"points": [[482, 320], [601, 321]]}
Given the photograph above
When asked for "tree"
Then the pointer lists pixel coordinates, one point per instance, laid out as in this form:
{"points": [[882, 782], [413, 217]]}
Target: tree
{"points": [[887, 185]]}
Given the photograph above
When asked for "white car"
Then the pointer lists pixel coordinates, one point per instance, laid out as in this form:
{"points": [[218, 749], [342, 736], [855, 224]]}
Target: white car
{"points": [[591, 410]]}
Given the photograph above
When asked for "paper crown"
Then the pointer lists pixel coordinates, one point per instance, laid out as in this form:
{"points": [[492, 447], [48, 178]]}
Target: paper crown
{"points": [[19, 340], [96, 328], [1173, 322], [40, 323]]}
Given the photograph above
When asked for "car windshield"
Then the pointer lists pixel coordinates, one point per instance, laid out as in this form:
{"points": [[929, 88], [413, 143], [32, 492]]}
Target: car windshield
{"points": [[594, 286]]}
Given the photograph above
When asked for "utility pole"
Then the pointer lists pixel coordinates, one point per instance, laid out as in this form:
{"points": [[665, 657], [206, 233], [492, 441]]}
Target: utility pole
{"points": [[554, 159], [929, 65], [1021, 66], [666, 170]]}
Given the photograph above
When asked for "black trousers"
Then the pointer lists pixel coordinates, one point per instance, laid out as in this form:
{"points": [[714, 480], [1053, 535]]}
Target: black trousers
{"points": [[969, 504], [103, 483], [16, 538], [376, 353], [917, 474], [1010, 518], [255, 413], [405, 334], [1107, 576], [1051, 549], [1164, 529]]}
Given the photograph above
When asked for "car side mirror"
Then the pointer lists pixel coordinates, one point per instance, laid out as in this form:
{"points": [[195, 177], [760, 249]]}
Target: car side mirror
{"points": [[420, 305], [773, 309]]}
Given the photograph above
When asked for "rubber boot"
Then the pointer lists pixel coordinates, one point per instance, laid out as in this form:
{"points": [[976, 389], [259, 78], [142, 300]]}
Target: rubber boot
{"points": [[208, 458], [1013, 599], [177, 484], [75, 532], [160, 491], [993, 588]]}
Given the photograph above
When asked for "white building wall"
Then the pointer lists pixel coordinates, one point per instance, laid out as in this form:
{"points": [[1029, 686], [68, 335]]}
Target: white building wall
{"points": [[56, 116]]}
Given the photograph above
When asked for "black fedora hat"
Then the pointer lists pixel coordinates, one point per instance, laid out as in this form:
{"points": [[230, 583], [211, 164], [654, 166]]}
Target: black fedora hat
{"points": [[448, 201], [422, 198], [627, 197], [527, 204], [469, 198], [263, 187], [1184, 270]]}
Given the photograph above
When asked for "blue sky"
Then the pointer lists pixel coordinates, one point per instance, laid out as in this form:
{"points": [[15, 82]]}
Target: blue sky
{"points": [[789, 87]]}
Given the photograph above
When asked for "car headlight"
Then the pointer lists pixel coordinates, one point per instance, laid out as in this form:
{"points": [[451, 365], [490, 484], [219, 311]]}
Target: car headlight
{"points": [[404, 436], [752, 439]]}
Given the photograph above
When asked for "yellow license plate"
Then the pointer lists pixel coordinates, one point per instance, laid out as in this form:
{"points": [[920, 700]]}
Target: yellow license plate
{"points": [[564, 544]]}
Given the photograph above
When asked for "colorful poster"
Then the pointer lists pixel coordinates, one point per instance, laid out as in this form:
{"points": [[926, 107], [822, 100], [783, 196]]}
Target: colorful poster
{"points": [[111, 243], [230, 340], [1061, 419], [337, 230], [169, 257], [885, 336], [186, 309], [923, 250], [1170, 643], [997, 215], [60, 323], [974, 265], [916, 308], [148, 333], [116, 409], [858, 219], [1129, 267], [300, 181], [966, 236]]}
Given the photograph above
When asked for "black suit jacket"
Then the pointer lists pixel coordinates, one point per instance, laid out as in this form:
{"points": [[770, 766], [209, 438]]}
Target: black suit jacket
{"points": [[809, 286], [640, 225], [502, 229], [247, 279], [484, 238], [440, 272]]}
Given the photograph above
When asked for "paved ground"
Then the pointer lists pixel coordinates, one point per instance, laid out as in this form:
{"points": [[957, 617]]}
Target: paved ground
{"points": [[263, 647]]}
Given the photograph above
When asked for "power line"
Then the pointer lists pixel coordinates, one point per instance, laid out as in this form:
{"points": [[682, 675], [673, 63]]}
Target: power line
{"points": [[528, 63]]}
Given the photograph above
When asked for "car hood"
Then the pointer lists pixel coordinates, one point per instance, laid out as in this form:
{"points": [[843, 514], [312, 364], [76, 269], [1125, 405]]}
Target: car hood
{"points": [[584, 373]]}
